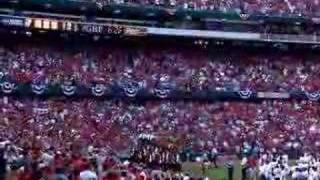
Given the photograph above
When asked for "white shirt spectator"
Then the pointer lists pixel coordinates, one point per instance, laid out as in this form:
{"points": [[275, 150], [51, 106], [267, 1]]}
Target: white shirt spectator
{"points": [[88, 175], [313, 175], [244, 161]]}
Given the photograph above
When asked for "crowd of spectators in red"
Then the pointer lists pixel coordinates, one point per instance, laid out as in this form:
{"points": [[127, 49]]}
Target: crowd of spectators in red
{"points": [[72, 130], [186, 68], [114, 127]]}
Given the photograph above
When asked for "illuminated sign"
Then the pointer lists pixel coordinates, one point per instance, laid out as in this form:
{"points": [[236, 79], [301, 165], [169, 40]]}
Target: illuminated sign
{"points": [[71, 26], [12, 21], [92, 28]]}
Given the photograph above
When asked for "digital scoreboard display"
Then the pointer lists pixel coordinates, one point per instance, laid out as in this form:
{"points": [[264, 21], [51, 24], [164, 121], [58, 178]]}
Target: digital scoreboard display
{"points": [[68, 26], [73, 26], [44, 24]]}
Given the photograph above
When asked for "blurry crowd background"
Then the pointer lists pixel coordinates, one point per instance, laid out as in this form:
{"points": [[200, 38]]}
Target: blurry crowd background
{"points": [[269, 7]]}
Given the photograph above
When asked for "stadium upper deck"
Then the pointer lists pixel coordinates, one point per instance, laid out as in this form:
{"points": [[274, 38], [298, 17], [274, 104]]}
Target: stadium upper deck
{"points": [[267, 7], [261, 7]]}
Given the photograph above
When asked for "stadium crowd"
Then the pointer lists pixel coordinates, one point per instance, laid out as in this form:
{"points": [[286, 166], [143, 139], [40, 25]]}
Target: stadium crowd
{"points": [[267, 7], [231, 126], [185, 68], [84, 138], [85, 128]]}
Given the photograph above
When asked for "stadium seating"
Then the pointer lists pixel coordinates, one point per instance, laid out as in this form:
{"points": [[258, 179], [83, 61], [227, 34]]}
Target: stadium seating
{"points": [[267, 7], [179, 68], [72, 126]]}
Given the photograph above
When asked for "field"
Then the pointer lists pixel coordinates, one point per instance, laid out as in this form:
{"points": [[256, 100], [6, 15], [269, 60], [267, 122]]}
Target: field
{"points": [[219, 173]]}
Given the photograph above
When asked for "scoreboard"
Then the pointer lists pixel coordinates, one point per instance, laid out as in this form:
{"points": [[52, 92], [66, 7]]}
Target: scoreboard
{"points": [[50, 24], [74, 26]]}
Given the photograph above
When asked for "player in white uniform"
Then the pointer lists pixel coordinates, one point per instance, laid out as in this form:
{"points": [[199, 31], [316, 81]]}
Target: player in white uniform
{"points": [[313, 173], [300, 171]]}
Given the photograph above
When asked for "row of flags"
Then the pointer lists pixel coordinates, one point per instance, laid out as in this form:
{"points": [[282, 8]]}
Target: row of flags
{"points": [[70, 89], [132, 89], [315, 96]]}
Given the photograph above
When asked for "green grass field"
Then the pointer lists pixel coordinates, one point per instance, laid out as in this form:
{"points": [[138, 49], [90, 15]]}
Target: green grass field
{"points": [[217, 173], [213, 173]]}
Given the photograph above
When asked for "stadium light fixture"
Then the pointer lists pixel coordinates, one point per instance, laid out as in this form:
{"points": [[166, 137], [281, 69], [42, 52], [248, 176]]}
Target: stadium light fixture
{"points": [[117, 11], [29, 33]]}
